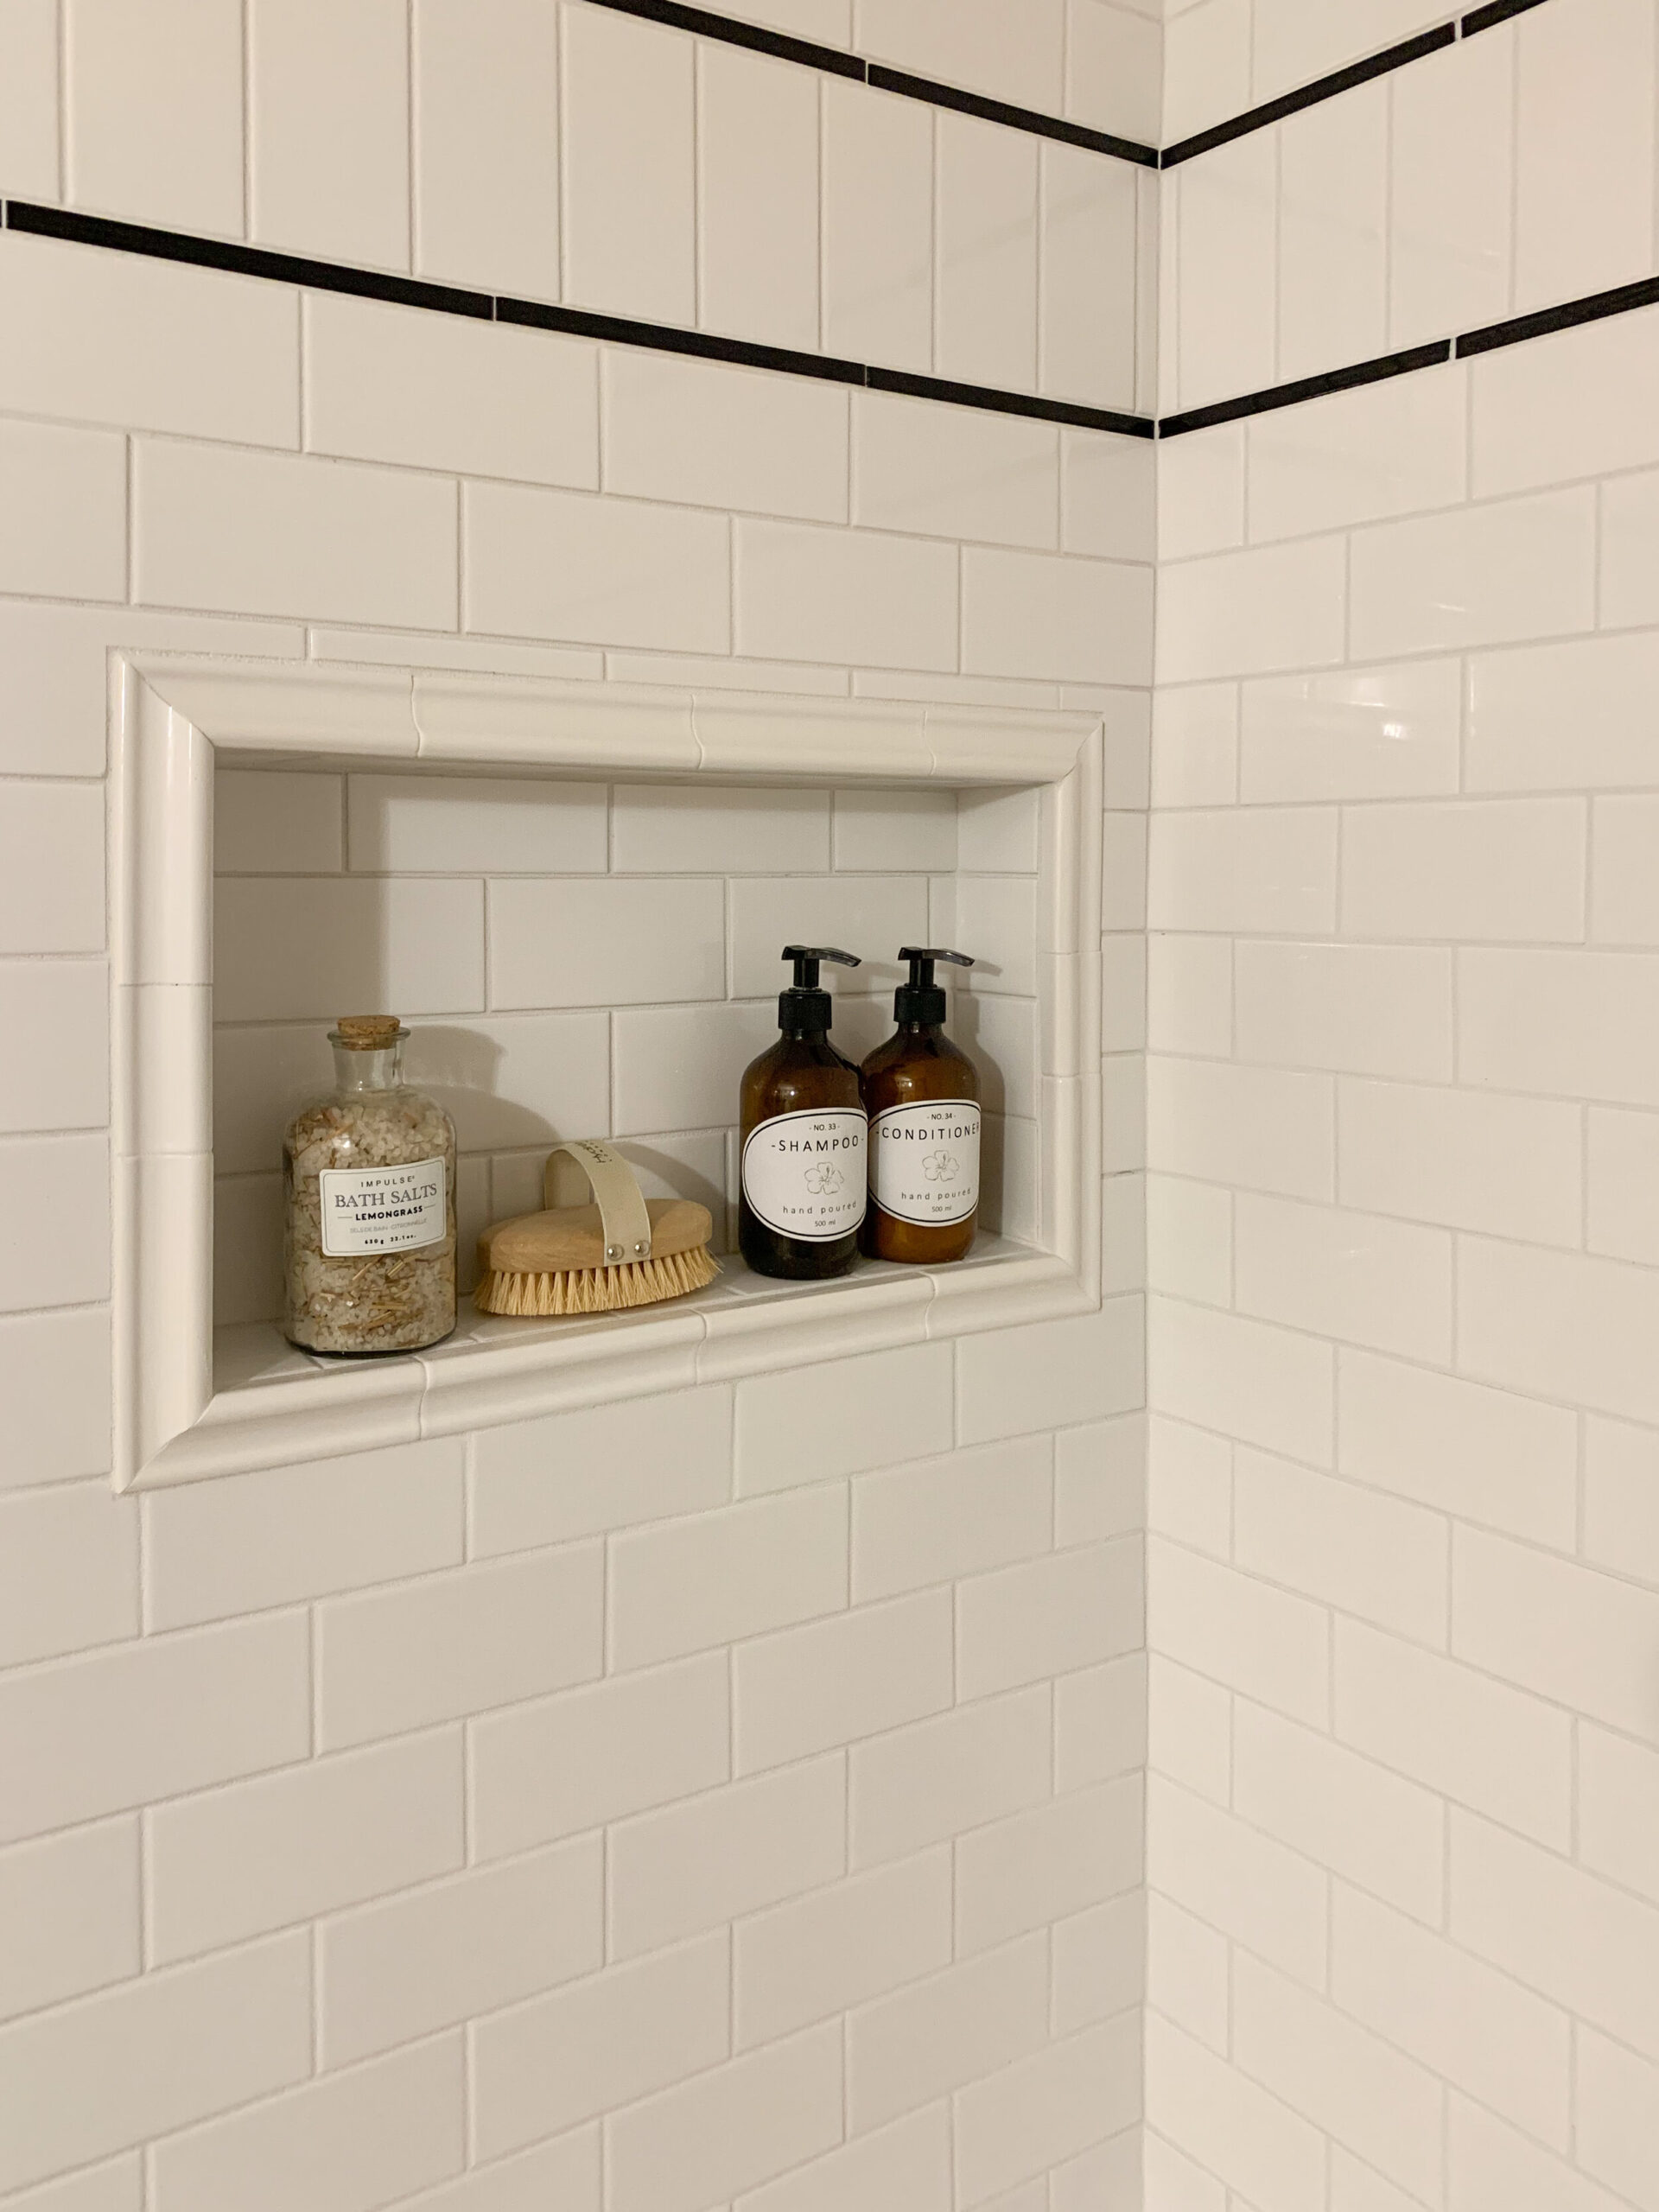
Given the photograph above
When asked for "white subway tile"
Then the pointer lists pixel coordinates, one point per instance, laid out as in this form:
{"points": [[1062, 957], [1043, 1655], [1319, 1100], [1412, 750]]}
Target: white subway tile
{"points": [[958, 1515], [29, 130], [1273, 1387], [873, 915], [274, 534], [1190, 1472], [1253, 1128], [1052, 615], [1187, 1973], [1114, 71], [661, 828], [68, 1573], [584, 1472], [116, 2186], [841, 1947], [69, 1916], [1452, 156], [971, 42], [757, 162], [454, 1643], [842, 595], [1244, 613], [328, 122], [1107, 487], [1576, 1024], [904, 2051], [203, 354], [1623, 907], [986, 252], [1599, 1660], [953, 472], [904, 2168], [1049, 1616], [1389, 448], [1623, 1185], [1189, 994], [877, 226], [216, 1549], [471, 1943], [55, 1197], [627, 132], [1207, 67], [1100, 1480], [165, 2050], [1584, 196], [600, 2044], [1479, 1742], [1616, 2093], [702, 433], [1200, 494], [607, 572], [1590, 1947], [1362, 733], [895, 1407], [1349, 1548], [565, 2173], [1485, 869], [1051, 1374], [444, 391], [689, 1585], [1238, 870], [63, 511], [1509, 1166], [1190, 1721], [674, 1067], [1484, 1455], [858, 1673], [1358, 1009], [1621, 1527], [1234, 1628], [997, 915], [1492, 2165], [1518, 701], [1044, 2110], [396, 2125], [1333, 227], [1349, 2081], [1382, 1834], [97, 1734], [277, 821], [1297, 40], [640, 942], [302, 948], [1482, 576], [1020, 1874], [1100, 1722], [1630, 571], [55, 1372], [1178, 2183], [1619, 1810], [1529, 431], [1568, 1328], [1218, 2114], [1086, 346], [1226, 208], [259, 1855], [481, 825], [485, 105], [729, 2129], [1272, 1901], [926, 1783]]}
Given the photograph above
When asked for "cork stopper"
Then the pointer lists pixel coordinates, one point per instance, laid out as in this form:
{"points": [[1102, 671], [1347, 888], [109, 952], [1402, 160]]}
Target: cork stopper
{"points": [[368, 1032]]}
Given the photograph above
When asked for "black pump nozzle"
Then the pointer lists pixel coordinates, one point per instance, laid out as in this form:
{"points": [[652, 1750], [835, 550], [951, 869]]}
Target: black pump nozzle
{"points": [[921, 999], [804, 1006]]}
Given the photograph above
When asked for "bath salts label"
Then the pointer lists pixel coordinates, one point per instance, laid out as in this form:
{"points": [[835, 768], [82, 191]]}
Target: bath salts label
{"points": [[924, 1161], [803, 1174], [383, 1208]]}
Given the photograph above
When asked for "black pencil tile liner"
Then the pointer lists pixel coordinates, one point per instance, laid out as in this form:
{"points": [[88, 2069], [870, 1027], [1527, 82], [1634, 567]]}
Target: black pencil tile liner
{"points": [[1595, 307], [1292, 395], [1495, 11], [731, 31], [883, 80], [1322, 88], [1033, 405]]}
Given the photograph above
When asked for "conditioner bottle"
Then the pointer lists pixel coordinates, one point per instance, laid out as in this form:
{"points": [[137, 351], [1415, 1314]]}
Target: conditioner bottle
{"points": [[804, 1167], [921, 1095]]}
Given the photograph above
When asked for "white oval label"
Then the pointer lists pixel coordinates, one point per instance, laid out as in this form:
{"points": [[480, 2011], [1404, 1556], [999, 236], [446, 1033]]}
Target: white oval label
{"points": [[803, 1174], [384, 1209], [924, 1161]]}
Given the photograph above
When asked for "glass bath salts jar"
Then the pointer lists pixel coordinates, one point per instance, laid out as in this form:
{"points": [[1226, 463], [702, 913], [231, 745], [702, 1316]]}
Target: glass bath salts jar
{"points": [[369, 1193]]}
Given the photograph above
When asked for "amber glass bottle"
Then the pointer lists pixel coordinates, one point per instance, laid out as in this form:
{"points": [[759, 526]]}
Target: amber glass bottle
{"points": [[921, 1095], [803, 1186]]}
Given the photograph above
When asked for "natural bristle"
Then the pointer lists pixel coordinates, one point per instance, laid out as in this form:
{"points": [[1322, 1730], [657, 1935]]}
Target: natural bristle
{"points": [[594, 1290]]}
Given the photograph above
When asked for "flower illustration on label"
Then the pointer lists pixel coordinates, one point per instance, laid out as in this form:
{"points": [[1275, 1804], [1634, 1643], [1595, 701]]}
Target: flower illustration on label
{"points": [[823, 1182], [941, 1167]]}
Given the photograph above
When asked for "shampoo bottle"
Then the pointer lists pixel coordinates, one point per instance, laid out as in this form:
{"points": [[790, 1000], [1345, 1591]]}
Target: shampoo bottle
{"points": [[804, 1170], [921, 1095]]}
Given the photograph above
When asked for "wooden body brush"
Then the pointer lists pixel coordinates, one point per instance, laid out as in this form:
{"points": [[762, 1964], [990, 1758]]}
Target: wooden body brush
{"points": [[622, 1251]]}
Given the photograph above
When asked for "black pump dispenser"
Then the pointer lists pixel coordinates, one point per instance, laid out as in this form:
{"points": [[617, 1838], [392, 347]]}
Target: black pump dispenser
{"points": [[921, 999], [803, 1009]]}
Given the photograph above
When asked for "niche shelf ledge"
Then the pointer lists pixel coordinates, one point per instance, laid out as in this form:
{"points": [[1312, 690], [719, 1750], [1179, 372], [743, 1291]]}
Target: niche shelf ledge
{"points": [[191, 1401]]}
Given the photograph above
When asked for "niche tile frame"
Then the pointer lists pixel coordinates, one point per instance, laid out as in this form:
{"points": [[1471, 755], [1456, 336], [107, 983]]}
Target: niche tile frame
{"points": [[187, 1408]]}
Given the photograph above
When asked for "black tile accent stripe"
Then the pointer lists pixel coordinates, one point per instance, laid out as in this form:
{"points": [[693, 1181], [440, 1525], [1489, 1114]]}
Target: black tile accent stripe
{"points": [[540, 315], [1292, 395], [1322, 88], [1495, 11], [1644, 293], [706, 24]]}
